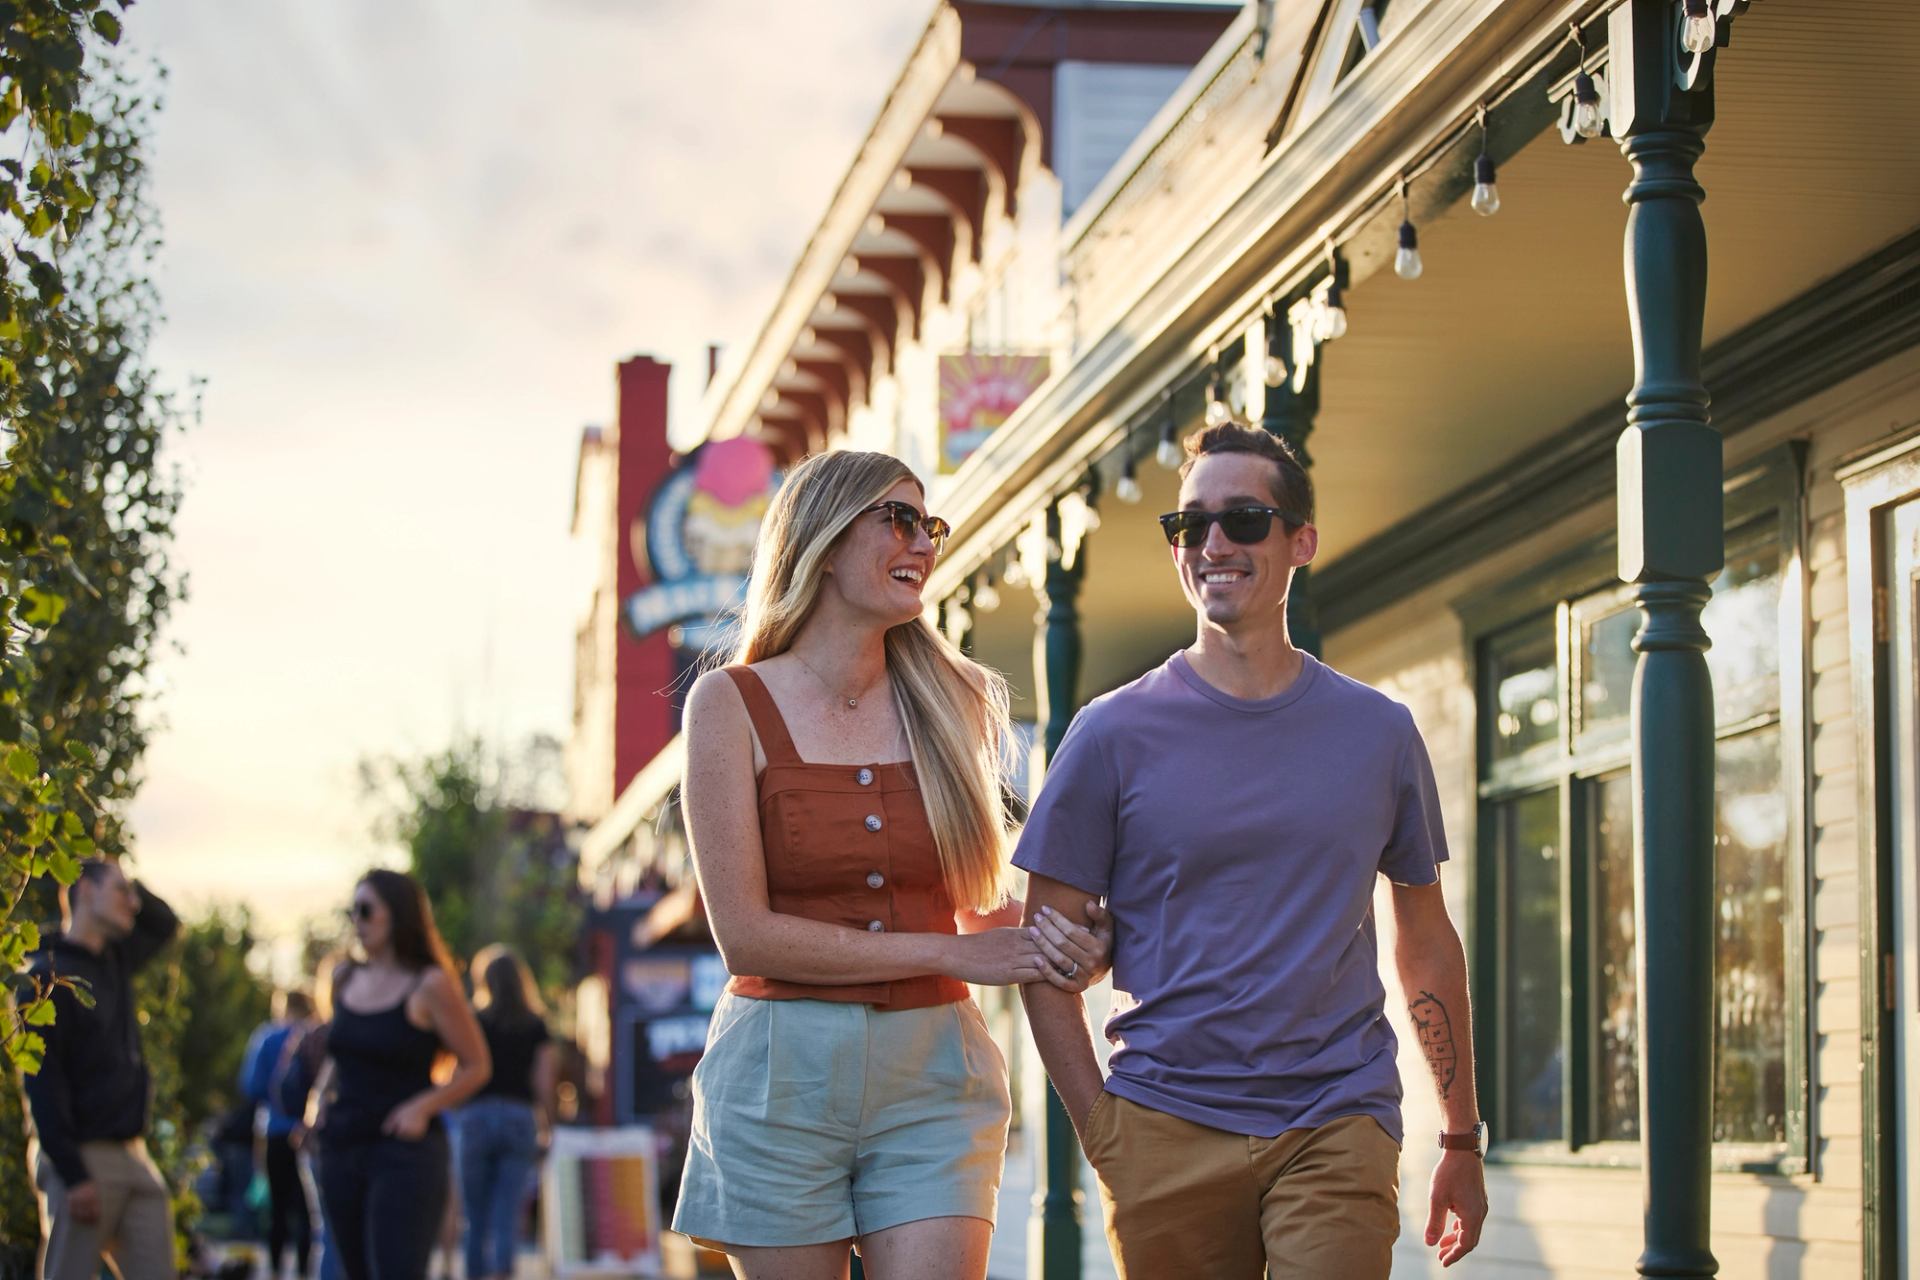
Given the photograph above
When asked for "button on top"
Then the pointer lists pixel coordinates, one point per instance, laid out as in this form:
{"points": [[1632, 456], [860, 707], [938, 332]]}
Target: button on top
{"points": [[873, 822], [875, 879], [874, 926], [866, 777]]}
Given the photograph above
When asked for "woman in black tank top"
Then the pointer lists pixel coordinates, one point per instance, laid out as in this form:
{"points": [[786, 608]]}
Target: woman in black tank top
{"points": [[384, 1166]]}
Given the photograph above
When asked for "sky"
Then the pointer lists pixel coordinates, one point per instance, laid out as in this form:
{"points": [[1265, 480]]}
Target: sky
{"points": [[406, 241]]}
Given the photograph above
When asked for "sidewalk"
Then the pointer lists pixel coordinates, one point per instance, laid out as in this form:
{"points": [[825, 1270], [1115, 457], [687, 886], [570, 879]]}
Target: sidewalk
{"points": [[1008, 1258]]}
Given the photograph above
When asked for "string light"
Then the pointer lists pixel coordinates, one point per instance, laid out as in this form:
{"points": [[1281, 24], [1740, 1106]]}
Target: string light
{"points": [[1698, 31], [1219, 412], [1589, 120], [1015, 573], [1330, 311], [1406, 262], [986, 596], [1168, 454], [1486, 196], [1275, 372], [1127, 487]]}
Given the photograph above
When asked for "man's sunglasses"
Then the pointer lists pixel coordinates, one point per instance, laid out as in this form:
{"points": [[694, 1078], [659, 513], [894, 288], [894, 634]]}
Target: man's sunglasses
{"points": [[1244, 525], [907, 521]]}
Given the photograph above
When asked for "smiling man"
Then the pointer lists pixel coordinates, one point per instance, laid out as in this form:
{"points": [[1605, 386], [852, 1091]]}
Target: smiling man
{"points": [[1235, 806]]}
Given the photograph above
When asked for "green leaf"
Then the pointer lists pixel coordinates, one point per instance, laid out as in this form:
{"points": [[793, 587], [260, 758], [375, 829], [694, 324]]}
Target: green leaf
{"points": [[108, 26], [24, 1056], [80, 751], [63, 866], [43, 607], [22, 764], [40, 1013], [29, 933]]}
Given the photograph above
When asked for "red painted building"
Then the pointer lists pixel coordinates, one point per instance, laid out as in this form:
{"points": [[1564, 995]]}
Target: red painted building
{"points": [[621, 719]]}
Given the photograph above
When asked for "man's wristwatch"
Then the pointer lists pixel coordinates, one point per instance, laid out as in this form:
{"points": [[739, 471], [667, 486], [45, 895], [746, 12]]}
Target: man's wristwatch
{"points": [[1474, 1140]]}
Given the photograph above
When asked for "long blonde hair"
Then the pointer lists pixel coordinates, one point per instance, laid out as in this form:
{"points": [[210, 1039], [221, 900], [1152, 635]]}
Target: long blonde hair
{"points": [[954, 709]]}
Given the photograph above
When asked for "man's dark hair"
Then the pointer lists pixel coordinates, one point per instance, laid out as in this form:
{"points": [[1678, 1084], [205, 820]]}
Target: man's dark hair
{"points": [[92, 870], [1292, 488]]}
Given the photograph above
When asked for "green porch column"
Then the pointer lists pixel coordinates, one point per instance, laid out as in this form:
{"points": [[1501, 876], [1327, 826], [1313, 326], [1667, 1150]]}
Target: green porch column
{"points": [[1053, 1232], [1671, 536], [1289, 414]]}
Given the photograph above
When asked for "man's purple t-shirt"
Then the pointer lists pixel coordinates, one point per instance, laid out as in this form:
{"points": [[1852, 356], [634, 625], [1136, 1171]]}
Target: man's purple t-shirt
{"points": [[1237, 843]]}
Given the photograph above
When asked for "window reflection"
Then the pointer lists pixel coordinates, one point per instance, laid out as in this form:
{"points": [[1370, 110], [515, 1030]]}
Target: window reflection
{"points": [[1617, 1033], [1535, 1061], [1526, 684]]}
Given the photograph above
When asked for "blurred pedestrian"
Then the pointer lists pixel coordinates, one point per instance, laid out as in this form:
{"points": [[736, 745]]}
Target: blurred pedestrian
{"points": [[101, 1198], [288, 1222], [384, 1163], [843, 797], [293, 1089], [502, 1131]]}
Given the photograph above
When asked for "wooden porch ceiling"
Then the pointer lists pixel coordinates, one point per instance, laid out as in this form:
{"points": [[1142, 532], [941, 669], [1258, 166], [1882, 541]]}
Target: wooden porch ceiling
{"points": [[1518, 326]]}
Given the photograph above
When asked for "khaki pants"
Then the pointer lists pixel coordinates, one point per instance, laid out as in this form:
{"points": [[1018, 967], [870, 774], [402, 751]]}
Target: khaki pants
{"points": [[135, 1227], [1182, 1199]]}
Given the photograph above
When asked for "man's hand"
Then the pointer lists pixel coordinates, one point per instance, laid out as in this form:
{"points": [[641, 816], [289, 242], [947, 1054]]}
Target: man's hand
{"points": [[83, 1202], [1459, 1188]]}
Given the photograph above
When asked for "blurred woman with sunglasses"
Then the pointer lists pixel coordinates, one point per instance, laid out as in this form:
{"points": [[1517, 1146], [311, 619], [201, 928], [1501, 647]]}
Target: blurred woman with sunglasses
{"points": [[397, 1008], [843, 798]]}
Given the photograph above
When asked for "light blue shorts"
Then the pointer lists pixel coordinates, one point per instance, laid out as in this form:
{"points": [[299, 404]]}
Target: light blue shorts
{"points": [[816, 1121]]}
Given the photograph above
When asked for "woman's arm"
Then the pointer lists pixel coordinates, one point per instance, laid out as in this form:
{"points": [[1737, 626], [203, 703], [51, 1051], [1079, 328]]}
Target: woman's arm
{"points": [[720, 798], [315, 1118], [450, 1018], [546, 1086]]}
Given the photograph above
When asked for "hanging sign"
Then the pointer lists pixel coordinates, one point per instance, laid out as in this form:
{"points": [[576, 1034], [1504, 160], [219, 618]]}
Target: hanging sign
{"points": [[697, 537], [979, 391]]}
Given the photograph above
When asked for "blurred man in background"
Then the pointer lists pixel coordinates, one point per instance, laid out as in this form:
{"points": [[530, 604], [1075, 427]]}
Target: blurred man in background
{"points": [[101, 1198]]}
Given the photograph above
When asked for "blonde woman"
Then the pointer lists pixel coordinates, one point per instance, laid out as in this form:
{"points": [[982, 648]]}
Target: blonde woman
{"points": [[843, 801]]}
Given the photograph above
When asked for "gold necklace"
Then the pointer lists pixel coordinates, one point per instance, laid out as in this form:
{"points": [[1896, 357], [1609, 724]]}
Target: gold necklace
{"points": [[853, 703]]}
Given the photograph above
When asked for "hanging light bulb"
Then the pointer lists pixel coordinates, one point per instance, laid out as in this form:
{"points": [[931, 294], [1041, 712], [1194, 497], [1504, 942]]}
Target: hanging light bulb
{"points": [[1331, 321], [1219, 412], [1588, 118], [1168, 453], [986, 596], [1406, 262], [1486, 196], [1015, 574], [1698, 30], [1275, 372], [1127, 487]]}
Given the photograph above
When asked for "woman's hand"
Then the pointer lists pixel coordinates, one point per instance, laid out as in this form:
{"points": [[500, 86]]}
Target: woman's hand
{"points": [[997, 958], [408, 1121], [1076, 957]]}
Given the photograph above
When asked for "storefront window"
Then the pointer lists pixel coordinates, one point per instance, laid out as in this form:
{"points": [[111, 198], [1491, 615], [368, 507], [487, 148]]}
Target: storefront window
{"points": [[1533, 765], [1535, 1059]]}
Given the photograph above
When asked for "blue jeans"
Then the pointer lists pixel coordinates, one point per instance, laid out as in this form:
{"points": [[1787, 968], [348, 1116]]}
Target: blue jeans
{"points": [[498, 1148]]}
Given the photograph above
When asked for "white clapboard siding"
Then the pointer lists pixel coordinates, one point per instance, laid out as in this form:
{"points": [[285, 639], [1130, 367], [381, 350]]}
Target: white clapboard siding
{"points": [[1579, 1222]]}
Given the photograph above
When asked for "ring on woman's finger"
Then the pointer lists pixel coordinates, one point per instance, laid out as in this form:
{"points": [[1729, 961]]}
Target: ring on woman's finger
{"points": [[1072, 969]]}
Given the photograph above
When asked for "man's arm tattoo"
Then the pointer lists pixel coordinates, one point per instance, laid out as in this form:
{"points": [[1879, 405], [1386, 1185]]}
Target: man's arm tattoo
{"points": [[1435, 1029]]}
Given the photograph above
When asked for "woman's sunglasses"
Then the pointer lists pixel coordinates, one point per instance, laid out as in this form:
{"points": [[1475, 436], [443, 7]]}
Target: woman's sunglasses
{"points": [[360, 911], [907, 522], [1244, 525]]}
